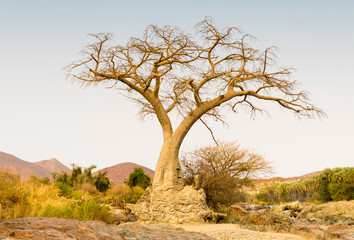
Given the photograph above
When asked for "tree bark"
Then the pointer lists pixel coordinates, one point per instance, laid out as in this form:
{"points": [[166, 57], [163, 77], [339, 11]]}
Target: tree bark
{"points": [[168, 172]]}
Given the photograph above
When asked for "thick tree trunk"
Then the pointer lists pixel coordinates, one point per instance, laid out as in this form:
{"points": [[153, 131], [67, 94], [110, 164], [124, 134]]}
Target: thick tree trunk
{"points": [[168, 172], [168, 200]]}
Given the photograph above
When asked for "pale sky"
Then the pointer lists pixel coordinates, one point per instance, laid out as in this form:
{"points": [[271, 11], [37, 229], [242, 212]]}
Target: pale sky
{"points": [[42, 115]]}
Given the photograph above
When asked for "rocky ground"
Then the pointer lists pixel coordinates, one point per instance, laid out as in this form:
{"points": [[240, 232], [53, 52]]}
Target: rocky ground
{"points": [[235, 232], [293, 221], [334, 220], [65, 229], [58, 229]]}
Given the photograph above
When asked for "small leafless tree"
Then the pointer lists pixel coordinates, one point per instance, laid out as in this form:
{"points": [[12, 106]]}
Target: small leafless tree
{"points": [[167, 71], [226, 158], [222, 170]]}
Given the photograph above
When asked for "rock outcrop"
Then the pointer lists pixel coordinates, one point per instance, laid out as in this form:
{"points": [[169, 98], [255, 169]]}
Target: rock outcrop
{"points": [[335, 212], [68, 229], [333, 220], [123, 216], [291, 210], [234, 214], [57, 229], [174, 206], [265, 220]]}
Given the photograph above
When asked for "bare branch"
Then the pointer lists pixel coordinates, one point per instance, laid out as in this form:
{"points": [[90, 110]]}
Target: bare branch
{"points": [[210, 130], [169, 72]]}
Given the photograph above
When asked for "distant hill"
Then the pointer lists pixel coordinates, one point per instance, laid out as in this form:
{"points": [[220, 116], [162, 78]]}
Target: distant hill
{"points": [[309, 175], [260, 183], [121, 171], [53, 165], [15, 165], [25, 169], [295, 179], [44, 168]]}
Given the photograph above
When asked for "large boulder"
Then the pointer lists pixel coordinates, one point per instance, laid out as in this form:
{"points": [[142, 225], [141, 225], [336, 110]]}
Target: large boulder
{"points": [[57, 229], [291, 209], [340, 231], [122, 215], [342, 211], [265, 220], [235, 213], [187, 205]]}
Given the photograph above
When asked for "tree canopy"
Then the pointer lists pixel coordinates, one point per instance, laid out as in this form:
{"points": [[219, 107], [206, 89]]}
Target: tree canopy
{"points": [[167, 71]]}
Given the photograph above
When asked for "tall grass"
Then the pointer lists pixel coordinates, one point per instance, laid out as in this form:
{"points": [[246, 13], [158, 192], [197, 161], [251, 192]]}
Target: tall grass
{"points": [[36, 198]]}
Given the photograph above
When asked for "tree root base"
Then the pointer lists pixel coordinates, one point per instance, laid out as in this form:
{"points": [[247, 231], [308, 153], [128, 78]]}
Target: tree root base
{"points": [[187, 205]]}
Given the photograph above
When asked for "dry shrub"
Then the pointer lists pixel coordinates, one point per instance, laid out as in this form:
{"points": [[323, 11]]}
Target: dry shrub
{"points": [[89, 188], [130, 195], [121, 190], [13, 197], [222, 170], [41, 196]]}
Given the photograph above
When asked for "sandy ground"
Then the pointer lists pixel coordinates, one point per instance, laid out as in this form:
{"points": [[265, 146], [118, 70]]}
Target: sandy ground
{"points": [[234, 231]]}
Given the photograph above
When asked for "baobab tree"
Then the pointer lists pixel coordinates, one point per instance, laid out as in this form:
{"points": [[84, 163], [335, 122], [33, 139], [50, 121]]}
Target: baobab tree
{"points": [[169, 72]]}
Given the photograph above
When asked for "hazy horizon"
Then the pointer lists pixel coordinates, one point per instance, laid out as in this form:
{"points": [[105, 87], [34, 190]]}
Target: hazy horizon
{"points": [[44, 116]]}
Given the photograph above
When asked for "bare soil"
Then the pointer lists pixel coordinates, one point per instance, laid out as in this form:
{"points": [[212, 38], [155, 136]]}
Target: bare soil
{"points": [[234, 231]]}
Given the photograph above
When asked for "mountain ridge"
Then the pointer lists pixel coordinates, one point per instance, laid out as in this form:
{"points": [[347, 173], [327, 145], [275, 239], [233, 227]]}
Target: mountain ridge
{"points": [[41, 169], [53, 165], [116, 173], [25, 169]]}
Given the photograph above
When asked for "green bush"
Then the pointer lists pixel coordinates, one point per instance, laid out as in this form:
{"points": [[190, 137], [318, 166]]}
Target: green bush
{"points": [[135, 195], [93, 210], [101, 182], [65, 189], [139, 178], [341, 191], [325, 195], [79, 177], [262, 197]]}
